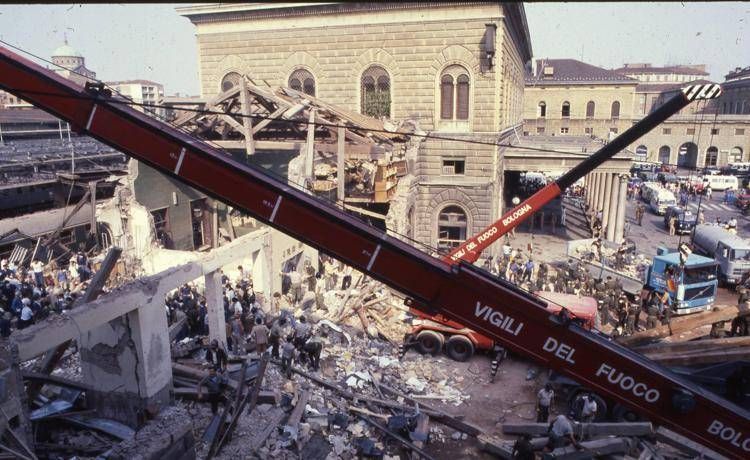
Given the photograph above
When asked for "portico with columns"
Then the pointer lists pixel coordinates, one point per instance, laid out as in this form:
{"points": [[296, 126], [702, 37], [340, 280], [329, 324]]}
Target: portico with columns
{"points": [[605, 189]]}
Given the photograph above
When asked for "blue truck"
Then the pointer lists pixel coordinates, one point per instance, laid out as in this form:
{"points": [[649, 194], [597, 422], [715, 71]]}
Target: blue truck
{"points": [[694, 287]]}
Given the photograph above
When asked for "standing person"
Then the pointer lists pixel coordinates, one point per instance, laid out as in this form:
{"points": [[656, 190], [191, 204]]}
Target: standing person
{"points": [[639, 211], [709, 192], [288, 352], [544, 400], [295, 286], [38, 268], [217, 356], [238, 335], [588, 410], [301, 332], [313, 348], [701, 217], [672, 224], [528, 269], [347, 279], [214, 383], [259, 335], [310, 276], [274, 337], [27, 314], [653, 312]]}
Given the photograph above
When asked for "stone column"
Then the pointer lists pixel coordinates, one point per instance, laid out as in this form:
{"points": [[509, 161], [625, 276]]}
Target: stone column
{"points": [[621, 196], [595, 192], [600, 192], [608, 185], [612, 210], [217, 329], [588, 185]]}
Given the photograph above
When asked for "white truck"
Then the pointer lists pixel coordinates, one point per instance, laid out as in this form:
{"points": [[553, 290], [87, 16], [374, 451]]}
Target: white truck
{"points": [[730, 251]]}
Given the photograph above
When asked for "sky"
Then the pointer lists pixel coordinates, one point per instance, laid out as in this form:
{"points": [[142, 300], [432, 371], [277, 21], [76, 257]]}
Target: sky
{"points": [[153, 42]]}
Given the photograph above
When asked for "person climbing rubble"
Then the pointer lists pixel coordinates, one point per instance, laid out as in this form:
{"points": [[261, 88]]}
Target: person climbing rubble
{"points": [[259, 335], [288, 354], [214, 383], [217, 357]]}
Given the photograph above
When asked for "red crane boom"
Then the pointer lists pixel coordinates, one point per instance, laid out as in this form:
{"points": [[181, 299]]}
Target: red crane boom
{"points": [[461, 292]]}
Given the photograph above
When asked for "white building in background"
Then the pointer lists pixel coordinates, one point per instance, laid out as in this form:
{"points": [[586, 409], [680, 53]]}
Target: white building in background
{"points": [[141, 92]]}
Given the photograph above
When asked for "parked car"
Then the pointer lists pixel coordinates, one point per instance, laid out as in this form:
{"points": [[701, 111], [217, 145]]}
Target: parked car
{"points": [[742, 201], [667, 178], [711, 171], [686, 220]]}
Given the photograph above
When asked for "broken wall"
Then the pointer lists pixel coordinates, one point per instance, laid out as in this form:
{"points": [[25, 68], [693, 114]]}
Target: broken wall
{"points": [[168, 437]]}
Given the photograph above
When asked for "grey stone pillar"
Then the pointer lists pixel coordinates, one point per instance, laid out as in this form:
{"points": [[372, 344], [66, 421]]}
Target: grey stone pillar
{"points": [[217, 329], [595, 192], [129, 361], [589, 183], [608, 185], [612, 211], [621, 196], [600, 203]]}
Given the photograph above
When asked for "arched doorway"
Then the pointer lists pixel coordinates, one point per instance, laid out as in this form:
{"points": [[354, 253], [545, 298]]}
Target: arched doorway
{"points": [[712, 156], [688, 155], [452, 226], [735, 155], [664, 152]]}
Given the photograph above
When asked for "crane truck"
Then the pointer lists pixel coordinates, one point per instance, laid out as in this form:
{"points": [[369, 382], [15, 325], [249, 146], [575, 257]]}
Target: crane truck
{"points": [[461, 292]]}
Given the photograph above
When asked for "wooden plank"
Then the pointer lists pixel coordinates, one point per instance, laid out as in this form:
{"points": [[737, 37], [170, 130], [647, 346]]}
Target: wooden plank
{"points": [[686, 445], [222, 433], [681, 324], [584, 429], [263, 123], [701, 357], [310, 146], [495, 446], [261, 145], [232, 122], [694, 345], [340, 165], [247, 122], [435, 415], [198, 374], [591, 449], [395, 436]]}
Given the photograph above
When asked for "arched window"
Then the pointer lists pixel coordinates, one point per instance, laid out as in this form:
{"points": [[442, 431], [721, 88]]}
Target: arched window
{"points": [[641, 151], [542, 109], [590, 107], [302, 80], [615, 110], [454, 93], [736, 154], [446, 97], [376, 92], [566, 109], [664, 153], [229, 81], [712, 156], [452, 227]]}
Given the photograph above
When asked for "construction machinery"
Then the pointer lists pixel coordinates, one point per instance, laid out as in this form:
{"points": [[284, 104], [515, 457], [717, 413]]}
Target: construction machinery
{"points": [[459, 291]]}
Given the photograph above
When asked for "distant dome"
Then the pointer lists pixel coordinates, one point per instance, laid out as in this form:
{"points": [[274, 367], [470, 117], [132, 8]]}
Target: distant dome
{"points": [[66, 51]]}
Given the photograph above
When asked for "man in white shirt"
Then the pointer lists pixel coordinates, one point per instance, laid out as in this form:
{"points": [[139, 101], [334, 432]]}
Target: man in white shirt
{"points": [[588, 411], [38, 268], [27, 315], [544, 401], [560, 432], [237, 306]]}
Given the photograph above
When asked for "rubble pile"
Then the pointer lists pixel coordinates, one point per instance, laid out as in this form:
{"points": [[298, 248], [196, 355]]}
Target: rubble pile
{"points": [[633, 266]]}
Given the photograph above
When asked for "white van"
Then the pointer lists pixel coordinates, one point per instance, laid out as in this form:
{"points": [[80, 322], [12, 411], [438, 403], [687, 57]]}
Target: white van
{"points": [[661, 199], [721, 182], [648, 189]]}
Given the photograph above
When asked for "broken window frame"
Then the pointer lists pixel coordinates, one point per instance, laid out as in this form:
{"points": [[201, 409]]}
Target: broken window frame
{"points": [[452, 227]]}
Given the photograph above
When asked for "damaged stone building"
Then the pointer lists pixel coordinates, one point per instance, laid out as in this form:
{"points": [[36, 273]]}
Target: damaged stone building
{"points": [[453, 70]]}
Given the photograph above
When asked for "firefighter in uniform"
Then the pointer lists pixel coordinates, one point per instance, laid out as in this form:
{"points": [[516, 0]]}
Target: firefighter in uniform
{"points": [[622, 312]]}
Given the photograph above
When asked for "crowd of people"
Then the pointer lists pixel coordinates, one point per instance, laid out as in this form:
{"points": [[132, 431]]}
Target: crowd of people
{"points": [[264, 325], [29, 293]]}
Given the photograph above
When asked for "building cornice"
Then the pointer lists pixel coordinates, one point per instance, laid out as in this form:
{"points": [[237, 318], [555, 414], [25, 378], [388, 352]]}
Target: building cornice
{"points": [[241, 12]]}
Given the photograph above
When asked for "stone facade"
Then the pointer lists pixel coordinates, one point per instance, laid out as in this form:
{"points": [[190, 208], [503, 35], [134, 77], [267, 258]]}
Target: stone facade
{"points": [[416, 46]]}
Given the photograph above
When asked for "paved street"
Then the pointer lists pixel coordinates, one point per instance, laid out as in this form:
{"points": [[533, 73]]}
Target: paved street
{"points": [[653, 233]]}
